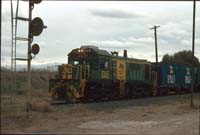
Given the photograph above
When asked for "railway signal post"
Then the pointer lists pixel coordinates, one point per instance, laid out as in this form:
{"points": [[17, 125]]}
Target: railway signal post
{"points": [[36, 27]]}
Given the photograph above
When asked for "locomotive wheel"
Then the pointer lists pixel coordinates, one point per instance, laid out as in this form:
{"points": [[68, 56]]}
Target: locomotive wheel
{"points": [[127, 91], [70, 96], [133, 94]]}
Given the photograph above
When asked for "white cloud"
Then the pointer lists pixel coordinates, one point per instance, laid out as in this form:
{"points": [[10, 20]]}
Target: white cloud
{"points": [[186, 42], [5, 16], [130, 42], [115, 13], [174, 30]]}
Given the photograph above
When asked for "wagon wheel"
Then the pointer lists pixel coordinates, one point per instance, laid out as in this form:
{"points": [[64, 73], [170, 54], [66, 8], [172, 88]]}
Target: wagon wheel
{"points": [[166, 92], [147, 93]]}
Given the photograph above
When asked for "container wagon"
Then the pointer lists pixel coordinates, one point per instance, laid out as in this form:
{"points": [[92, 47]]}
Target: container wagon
{"points": [[172, 78]]}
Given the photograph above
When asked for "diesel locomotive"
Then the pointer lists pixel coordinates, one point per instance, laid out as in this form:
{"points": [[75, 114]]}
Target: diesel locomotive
{"points": [[95, 74]]}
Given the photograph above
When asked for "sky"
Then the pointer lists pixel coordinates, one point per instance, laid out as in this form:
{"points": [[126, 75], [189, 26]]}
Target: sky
{"points": [[110, 25]]}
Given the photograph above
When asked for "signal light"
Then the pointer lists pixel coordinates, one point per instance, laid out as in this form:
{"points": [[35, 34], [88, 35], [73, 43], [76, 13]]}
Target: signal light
{"points": [[33, 1], [36, 26], [37, 1], [35, 49]]}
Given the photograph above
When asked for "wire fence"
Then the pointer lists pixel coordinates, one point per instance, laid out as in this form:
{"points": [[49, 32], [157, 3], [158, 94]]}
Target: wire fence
{"points": [[13, 96]]}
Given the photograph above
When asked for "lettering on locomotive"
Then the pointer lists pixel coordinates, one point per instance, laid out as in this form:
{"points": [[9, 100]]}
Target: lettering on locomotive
{"points": [[121, 70]]}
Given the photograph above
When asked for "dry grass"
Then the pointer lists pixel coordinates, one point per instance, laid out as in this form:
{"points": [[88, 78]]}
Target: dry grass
{"points": [[40, 80], [42, 106]]}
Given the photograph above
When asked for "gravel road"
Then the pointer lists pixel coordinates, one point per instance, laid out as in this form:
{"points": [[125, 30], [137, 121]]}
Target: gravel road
{"points": [[169, 115]]}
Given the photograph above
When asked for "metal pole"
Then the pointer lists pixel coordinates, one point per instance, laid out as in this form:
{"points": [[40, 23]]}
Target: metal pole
{"points": [[12, 72], [155, 32], [28, 104], [15, 45], [193, 44], [0, 39]]}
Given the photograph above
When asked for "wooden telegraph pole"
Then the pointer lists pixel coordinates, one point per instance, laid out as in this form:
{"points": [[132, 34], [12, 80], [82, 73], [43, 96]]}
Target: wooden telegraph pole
{"points": [[156, 54], [156, 48]]}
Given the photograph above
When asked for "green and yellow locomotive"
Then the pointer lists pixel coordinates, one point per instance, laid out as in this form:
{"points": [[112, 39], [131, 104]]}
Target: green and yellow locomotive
{"points": [[92, 73]]}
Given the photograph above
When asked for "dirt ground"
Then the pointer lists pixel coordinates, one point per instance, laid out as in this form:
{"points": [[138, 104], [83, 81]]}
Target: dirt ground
{"points": [[170, 115]]}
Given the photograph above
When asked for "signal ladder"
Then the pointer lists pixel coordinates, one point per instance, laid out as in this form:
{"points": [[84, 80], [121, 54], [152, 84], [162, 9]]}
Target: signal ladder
{"points": [[14, 43]]}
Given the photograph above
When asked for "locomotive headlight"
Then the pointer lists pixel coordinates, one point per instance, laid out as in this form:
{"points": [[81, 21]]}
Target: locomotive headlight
{"points": [[80, 50]]}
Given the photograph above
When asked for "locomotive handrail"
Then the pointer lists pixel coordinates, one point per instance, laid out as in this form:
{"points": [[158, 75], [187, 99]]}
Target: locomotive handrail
{"points": [[82, 72]]}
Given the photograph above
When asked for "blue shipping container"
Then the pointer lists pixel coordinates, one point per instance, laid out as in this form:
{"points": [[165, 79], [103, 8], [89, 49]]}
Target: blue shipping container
{"points": [[186, 76], [170, 75]]}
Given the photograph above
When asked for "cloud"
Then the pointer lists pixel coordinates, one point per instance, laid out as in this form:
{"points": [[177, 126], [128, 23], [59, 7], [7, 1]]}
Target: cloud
{"points": [[174, 30], [135, 46], [130, 42], [59, 42], [112, 26], [188, 42], [114, 13], [6, 16]]}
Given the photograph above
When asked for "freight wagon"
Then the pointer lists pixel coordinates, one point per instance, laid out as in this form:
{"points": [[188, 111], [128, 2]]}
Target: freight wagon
{"points": [[174, 78]]}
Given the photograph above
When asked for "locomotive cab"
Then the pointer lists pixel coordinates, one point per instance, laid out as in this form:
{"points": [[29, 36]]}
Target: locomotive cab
{"points": [[79, 62], [72, 77]]}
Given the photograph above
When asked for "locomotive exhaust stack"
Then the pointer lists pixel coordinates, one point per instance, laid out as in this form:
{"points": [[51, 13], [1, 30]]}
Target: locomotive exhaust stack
{"points": [[125, 54]]}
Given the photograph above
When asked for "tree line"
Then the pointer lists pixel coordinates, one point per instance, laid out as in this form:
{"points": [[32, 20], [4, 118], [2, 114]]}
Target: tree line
{"points": [[181, 57]]}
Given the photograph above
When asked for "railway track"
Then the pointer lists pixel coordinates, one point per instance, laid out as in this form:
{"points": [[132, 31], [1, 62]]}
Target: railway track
{"points": [[171, 94]]}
